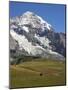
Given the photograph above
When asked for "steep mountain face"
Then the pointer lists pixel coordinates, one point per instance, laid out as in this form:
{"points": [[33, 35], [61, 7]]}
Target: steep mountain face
{"points": [[57, 42], [30, 35]]}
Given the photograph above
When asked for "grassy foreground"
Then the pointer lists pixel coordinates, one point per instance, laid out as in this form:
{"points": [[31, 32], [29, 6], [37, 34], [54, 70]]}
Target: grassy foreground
{"points": [[37, 73]]}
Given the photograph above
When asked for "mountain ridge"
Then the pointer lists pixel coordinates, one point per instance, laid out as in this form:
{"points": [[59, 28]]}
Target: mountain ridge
{"points": [[36, 37]]}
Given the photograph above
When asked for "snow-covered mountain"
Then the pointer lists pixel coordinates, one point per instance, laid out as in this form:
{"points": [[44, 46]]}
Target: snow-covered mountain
{"points": [[33, 36]]}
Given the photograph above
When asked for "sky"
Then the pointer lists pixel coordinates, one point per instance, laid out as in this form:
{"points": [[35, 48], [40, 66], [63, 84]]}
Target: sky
{"points": [[54, 14]]}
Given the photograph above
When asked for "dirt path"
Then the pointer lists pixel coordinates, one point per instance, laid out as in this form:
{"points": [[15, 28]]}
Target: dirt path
{"points": [[16, 67]]}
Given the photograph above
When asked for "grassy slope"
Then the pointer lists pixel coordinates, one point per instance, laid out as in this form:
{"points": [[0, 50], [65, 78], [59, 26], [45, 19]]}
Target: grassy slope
{"points": [[27, 74]]}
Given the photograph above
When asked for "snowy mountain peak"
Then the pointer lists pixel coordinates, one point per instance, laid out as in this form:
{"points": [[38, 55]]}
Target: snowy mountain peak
{"points": [[29, 13], [32, 20], [35, 21], [33, 35]]}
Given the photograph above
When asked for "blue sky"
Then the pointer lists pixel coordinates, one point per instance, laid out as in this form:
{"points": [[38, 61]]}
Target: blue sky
{"points": [[52, 13]]}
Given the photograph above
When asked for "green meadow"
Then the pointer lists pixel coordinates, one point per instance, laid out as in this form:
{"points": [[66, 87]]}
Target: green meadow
{"points": [[37, 73]]}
